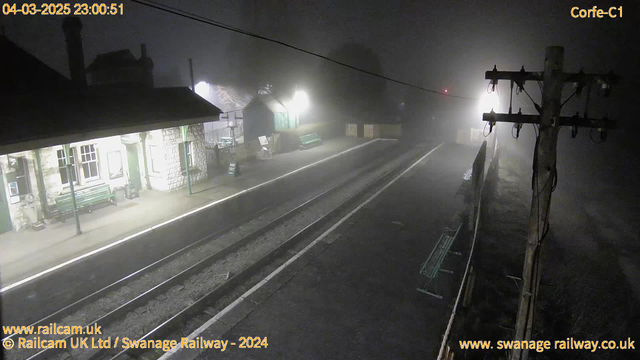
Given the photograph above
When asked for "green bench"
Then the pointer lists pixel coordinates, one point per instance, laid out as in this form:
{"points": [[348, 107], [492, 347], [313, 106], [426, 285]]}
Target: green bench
{"points": [[310, 140], [433, 266], [85, 198]]}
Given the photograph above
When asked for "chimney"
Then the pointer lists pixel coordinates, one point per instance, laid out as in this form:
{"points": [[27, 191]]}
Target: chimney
{"points": [[147, 67], [72, 27]]}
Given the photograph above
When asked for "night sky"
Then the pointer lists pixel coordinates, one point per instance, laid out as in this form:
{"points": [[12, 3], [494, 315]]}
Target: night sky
{"points": [[435, 44]]}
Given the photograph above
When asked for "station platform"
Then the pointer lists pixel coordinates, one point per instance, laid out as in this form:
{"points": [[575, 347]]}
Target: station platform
{"points": [[28, 253], [353, 294]]}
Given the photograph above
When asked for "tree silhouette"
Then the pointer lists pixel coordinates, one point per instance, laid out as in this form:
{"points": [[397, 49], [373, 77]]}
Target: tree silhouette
{"points": [[355, 94]]}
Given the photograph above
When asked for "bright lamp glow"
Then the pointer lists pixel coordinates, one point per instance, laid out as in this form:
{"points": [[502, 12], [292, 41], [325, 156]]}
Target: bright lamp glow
{"points": [[300, 101], [202, 89], [488, 102]]}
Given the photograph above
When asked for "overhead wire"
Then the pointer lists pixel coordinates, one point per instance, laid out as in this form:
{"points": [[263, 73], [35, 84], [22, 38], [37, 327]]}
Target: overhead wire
{"points": [[530, 98], [569, 98], [202, 19]]}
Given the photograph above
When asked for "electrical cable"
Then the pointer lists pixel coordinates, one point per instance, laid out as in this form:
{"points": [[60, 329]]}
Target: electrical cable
{"points": [[208, 21], [569, 98], [486, 123], [534, 103]]}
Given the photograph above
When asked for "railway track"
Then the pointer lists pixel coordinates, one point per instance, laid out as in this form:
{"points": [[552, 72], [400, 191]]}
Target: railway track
{"points": [[240, 275], [200, 311], [32, 300]]}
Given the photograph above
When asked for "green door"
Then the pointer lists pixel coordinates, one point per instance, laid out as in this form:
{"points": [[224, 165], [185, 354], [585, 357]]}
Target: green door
{"points": [[5, 217], [134, 165]]}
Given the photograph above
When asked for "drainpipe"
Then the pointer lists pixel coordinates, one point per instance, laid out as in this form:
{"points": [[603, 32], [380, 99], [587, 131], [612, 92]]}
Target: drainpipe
{"points": [[193, 83], [143, 139], [184, 130], [43, 191]]}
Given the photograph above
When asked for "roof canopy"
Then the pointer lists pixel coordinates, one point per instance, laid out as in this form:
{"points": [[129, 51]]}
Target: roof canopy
{"points": [[24, 73], [46, 119], [272, 102]]}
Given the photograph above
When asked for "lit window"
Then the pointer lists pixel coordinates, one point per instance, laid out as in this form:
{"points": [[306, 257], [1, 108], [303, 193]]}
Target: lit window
{"points": [[62, 165], [89, 162], [189, 155], [19, 179], [155, 156], [114, 161]]}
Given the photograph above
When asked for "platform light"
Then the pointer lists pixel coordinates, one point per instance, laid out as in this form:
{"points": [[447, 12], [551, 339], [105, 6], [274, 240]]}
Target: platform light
{"points": [[488, 102], [202, 89], [300, 101]]}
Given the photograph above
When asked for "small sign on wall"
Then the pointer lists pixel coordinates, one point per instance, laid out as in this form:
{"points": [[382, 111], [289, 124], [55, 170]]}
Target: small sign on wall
{"points": [[234, 169], [13, 189]]}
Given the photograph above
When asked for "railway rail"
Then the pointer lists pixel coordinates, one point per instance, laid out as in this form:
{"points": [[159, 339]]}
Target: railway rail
{"points": [[241, 274]]}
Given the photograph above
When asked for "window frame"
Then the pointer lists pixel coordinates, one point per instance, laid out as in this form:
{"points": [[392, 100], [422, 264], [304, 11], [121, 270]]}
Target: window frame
{"points": [[74, 167], [189, 155], [109, 169], [92, 156], [22, 164], [155, 165]]}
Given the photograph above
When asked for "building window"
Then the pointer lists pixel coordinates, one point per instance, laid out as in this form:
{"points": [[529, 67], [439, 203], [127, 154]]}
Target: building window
{"points": [[19, 179], [114, 161], [156, 158], [189, 155], [62, 165], [89, 159]]}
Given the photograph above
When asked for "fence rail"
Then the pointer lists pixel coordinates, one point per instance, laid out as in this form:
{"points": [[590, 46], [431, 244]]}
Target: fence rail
{"points": [[240, 152], [478, 180]]}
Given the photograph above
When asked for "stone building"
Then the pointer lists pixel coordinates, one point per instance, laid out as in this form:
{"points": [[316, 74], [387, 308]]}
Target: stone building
{"points": [[118, 134]]}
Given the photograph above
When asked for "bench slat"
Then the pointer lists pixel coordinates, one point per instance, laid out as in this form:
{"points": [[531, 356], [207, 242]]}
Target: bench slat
{"points": [[432, 267], [310, 139], [84, 197]]}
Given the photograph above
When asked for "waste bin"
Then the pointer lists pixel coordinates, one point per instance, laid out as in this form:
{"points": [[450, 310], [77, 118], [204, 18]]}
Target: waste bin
{"points": [[119, 193], [131, 192]]}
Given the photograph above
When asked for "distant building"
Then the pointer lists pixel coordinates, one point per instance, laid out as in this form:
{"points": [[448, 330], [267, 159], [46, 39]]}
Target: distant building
{"points": [[122, 68], [266, 114], [120, 130]]}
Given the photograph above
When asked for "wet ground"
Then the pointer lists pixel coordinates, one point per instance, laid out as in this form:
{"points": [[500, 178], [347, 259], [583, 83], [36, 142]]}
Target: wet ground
{"points": [[591, 258], [356, 297]]}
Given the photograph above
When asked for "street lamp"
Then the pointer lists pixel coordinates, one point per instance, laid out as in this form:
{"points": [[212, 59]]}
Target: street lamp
{"points": [[202, 89], [231, 125], [300, 101], [234, 164], [488, 102]]}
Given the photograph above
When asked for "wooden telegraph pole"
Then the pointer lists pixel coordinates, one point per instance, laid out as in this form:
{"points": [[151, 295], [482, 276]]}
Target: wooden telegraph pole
{"points": [[544, 162]]}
